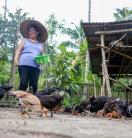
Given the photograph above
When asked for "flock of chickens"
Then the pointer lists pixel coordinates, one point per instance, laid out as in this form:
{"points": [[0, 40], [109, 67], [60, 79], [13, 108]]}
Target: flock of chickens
{"points": [[49, 97], [104, 106]]}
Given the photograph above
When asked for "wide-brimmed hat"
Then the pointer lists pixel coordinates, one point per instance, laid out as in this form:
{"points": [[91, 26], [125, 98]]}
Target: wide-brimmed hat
{"points": [[25, 25]]}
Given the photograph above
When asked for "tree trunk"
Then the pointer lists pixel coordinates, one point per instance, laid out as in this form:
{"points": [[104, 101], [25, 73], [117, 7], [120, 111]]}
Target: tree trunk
{"points": [[13, 68]]}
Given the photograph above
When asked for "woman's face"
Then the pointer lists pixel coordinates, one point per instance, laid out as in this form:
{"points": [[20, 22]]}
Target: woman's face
{"points": [[32, 33]]}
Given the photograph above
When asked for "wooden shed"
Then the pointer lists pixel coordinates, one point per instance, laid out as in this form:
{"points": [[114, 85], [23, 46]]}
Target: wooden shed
{"points": [[116, 64], [110, 49]]}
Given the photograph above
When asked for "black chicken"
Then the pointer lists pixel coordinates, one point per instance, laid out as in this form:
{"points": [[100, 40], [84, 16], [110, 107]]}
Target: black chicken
{"points": [[6, 87], [129, 110], [78, 109], [82, 107], [116, 104], [49, 91], [3, 89], [49, 101], [68, 109], [2, 93], [96, 104]]}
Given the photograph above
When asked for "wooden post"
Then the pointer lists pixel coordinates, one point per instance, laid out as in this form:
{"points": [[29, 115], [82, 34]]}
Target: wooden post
{"points": [[106, 82], [46, 65], [95, 91]]}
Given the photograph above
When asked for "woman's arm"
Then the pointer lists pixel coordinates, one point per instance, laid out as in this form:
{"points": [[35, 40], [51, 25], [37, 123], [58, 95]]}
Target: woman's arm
{"points": [[18, 52]]}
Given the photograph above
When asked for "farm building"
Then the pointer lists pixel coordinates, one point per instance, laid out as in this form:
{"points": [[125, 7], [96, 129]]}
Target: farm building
{"points": [[110, 49]]}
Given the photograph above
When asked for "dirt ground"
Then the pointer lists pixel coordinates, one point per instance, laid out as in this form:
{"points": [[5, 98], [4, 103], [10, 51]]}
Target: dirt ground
{"points": [[61, 126]]}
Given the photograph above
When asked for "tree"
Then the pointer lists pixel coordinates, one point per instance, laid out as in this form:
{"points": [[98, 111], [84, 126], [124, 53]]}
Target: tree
{"points": [[64, 75], [76, 35], [79, 42], [123, 14], [13, 36], [3, 38], [54, 28]]}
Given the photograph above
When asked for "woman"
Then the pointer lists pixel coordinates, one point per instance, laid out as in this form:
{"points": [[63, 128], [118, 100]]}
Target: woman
{"points": [[35, 35]]}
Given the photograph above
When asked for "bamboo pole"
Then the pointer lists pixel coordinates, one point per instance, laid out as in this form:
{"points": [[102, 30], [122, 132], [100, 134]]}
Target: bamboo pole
{"points": [[106, 81], [46, 66], [95, 91], [113, 31]]}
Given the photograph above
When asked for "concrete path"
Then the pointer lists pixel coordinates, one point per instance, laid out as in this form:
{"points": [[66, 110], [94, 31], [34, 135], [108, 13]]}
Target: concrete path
{"points": [[61, 126]]}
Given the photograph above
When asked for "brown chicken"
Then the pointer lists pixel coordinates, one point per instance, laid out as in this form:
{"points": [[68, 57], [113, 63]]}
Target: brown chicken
{"points": [[29, 103]]}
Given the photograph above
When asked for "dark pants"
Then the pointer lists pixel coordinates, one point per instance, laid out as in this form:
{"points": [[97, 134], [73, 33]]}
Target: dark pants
{"points": [[28, 77]]}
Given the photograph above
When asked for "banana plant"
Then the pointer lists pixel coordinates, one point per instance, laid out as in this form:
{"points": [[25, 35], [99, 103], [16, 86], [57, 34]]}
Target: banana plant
{"points": [[123, 14]]}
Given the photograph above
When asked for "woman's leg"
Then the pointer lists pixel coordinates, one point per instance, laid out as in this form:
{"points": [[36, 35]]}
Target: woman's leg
{"points": [[24, 77], [33, 78]]}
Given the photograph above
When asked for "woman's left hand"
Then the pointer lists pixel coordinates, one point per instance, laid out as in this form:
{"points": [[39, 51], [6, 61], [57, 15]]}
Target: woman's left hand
{"points": [[16, 63]]}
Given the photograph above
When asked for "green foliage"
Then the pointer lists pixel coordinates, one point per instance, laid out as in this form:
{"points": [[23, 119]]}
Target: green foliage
{"points": [[8, 32], [118, 88], [64, 75], [3, 57], [9, 102], [123, 14], [54, 28], [4, 72], [83, 46], [62, 68], [119, 85], [97, 80], [14, 20], [76, 35], [66, 99]]}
